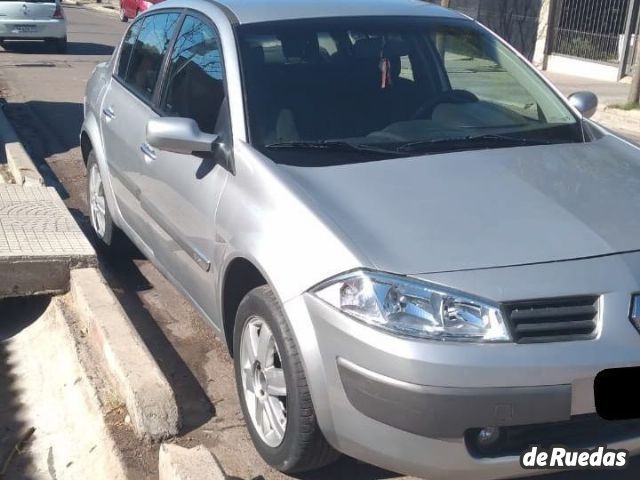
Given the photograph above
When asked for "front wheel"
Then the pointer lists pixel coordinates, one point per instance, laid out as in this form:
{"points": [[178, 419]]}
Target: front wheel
{"points": [[273, 389]]}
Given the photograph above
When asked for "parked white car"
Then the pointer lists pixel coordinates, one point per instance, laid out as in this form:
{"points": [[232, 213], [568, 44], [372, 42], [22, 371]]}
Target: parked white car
{"points": [[34, 20]]}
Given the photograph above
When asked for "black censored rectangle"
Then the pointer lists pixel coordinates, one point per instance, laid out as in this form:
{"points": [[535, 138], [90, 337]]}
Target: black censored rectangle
{"points": [[616, 393]]}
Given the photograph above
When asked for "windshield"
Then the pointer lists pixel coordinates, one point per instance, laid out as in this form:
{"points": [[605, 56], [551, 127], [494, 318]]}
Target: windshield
{"points": [[345, 90]]}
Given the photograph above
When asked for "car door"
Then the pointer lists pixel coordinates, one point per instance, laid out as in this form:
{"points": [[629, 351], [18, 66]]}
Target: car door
{"points": [[184, 190], [126, 108]]}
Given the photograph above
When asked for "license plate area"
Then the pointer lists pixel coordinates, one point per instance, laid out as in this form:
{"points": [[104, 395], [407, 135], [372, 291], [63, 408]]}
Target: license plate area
{"points": [[24, 28], [614, 393]]}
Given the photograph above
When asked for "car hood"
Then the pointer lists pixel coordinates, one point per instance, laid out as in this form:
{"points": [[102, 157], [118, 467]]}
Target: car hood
{"points": [[484, 209]]}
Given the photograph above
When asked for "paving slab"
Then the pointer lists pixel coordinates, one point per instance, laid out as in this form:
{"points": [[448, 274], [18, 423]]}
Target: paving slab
{"points": [[39, 242]]}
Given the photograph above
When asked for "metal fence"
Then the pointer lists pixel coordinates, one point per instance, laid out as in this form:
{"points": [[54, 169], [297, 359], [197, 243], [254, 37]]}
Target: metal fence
{"points": [[591, 29]]}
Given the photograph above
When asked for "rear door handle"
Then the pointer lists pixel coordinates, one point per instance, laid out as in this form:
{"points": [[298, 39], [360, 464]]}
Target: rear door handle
{"points": [[109, 113], [148, 151]]}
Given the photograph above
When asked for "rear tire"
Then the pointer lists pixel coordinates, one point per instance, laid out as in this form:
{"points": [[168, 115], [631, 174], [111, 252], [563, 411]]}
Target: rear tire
{"points": [[57, 44], [61, 45], [285, 432], [99, 214]]}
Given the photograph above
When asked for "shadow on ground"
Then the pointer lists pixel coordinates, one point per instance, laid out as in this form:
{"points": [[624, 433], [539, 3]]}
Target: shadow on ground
{"points": [[126, 280], [43, 141], [40, 47], [15, 461], [62, 128]]}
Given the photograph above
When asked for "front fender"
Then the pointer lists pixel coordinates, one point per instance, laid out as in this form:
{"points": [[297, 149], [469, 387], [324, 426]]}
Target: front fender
{"points": [[265, 217]]}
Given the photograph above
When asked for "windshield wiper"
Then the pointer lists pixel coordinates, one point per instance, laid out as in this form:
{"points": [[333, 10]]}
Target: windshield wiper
{"points": [[330, 145], [470, 141]]}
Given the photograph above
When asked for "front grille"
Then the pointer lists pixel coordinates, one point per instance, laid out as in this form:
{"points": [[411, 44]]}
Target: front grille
{"points": [[553, 320]]}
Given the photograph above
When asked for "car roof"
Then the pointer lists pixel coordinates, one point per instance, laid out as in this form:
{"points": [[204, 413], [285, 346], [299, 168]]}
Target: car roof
{"points": [[254, 11]]}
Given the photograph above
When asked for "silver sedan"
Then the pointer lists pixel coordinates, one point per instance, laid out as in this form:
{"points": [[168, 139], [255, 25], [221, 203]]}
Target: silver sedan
{"points": [[418, 252]]}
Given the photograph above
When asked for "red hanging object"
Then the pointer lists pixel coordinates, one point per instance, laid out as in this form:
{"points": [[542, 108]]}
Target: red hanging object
{"points": [[385, 68]]}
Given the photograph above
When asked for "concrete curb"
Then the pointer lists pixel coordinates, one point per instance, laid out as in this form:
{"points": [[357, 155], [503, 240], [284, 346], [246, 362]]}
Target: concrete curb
{"points": [[58, 399], [130, 366], [20, 164], [178, 463], [110, 459]]}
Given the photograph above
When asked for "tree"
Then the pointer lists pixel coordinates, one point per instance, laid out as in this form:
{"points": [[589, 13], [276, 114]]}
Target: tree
{"points": [[634, 92]]}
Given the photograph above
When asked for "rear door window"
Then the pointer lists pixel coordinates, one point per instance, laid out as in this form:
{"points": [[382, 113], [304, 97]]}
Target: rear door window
{"points": [[148, 53]]}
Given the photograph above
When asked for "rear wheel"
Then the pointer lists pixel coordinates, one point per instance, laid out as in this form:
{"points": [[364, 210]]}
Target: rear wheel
{"points": [[61, 45], [58, 44], [99, 214], [273, 389]]}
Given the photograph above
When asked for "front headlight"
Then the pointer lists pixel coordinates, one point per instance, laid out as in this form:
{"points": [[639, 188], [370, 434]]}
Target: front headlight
{"points": [[414, 308]]}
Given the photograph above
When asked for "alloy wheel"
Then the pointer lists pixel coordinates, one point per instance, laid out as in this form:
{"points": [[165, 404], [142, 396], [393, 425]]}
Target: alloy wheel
{"points": [[263, 381], [97, 203]]}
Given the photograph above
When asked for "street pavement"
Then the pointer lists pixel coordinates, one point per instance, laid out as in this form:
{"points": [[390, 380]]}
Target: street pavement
{"points": [[45, 92]]}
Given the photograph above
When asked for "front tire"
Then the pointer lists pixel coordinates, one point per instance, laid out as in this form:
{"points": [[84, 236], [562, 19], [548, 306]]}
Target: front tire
{"points": [[101, 220], [273, 389]]}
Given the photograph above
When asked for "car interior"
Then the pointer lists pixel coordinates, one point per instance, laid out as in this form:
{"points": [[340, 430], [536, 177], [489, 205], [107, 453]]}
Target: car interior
{"points": [[379, 86]]}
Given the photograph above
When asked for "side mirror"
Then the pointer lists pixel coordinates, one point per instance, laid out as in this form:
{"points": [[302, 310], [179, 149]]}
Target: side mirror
{"points": [[179, 135], [585, 102]]}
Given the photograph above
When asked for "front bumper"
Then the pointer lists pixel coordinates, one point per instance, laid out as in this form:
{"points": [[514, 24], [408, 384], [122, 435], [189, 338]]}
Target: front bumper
{"points": [[407, 405], [446, 412], [33, 29]]}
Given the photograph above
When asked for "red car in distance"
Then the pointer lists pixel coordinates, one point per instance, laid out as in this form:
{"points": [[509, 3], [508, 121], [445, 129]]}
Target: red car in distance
{"points": [[131, 8]]}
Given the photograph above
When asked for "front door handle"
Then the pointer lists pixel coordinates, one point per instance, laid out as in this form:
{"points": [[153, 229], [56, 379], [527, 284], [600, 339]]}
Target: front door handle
{"points": [[148, 151], [109, 113]]}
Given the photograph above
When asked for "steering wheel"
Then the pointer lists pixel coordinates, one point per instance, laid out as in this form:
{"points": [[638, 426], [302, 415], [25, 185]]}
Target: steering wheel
{"points": [[450, 96]]}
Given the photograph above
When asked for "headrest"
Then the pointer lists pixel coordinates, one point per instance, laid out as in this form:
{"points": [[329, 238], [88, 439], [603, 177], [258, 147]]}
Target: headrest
{"points": [[373, 48], [256, 55], [303, 46]]}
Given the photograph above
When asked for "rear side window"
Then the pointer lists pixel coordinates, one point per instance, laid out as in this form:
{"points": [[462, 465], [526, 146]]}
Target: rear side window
{"points": [[148, 53], [127, 47], [195, 80]]}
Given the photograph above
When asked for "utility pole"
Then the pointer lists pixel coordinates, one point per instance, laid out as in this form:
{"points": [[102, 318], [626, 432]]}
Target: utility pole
{"points": [[445, 3], [634, 92]]}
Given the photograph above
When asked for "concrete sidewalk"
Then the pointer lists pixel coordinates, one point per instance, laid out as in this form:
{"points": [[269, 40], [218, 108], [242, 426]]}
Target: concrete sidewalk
{"points": [[608, 93], [626, 123], [51, 415], [39, 242]]}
